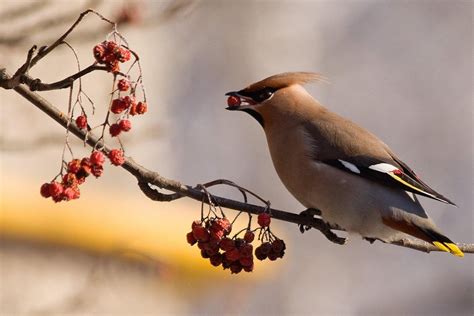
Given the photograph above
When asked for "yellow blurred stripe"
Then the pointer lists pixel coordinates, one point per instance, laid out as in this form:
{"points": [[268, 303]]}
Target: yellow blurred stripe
{"points": [[110, 225]]}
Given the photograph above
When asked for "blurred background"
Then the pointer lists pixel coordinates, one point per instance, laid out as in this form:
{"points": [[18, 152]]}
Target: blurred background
{"points": [[402, 69]]}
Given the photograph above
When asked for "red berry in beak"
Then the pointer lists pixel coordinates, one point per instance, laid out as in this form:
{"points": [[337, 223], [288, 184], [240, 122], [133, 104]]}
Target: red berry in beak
{"points": [[397, 172], [233, 101]]}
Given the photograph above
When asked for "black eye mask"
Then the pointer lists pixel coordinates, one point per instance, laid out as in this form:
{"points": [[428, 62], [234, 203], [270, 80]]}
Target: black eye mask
{"points": [[260, 95]]}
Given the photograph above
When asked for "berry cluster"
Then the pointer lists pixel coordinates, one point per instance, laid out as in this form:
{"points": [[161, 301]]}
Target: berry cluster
{"points": [[74, 172], [111, 54], [236, 254], [128, 103], [125, 106], [77, 172], [271, 250]]}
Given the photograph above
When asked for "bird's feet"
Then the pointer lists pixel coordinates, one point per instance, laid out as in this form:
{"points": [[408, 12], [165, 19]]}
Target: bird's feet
{"points": [[370, 240], [311, 213]]}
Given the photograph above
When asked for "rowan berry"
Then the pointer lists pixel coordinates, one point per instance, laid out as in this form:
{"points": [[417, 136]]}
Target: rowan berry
{"points": [[116, 157], [125, 125], [141, 108], [81, 122], [97, 158], [114, 130], [123, 84], [45, 191], [264, 219]]}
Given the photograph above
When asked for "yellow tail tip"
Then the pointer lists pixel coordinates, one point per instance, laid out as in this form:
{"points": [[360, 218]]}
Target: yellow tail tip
{"points": [[449, 247]]}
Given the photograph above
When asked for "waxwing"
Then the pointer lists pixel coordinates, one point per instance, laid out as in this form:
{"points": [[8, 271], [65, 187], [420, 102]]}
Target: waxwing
{"points": [[331, 164]]}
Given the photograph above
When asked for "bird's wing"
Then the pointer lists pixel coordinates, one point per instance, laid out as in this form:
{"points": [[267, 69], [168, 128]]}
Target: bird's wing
{"points": [[357, 151]]}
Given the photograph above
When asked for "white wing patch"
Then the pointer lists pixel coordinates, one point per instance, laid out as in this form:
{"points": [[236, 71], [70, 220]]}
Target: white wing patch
{"points": [[349, 166], [411, 195], [383, 167]]}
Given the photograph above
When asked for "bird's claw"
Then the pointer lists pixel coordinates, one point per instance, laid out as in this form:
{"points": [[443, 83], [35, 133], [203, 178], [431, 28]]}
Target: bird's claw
{"points": [[310, 212]]}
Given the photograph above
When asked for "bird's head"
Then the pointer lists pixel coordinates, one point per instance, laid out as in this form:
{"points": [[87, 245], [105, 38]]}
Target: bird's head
{"points": [[269, 95]]}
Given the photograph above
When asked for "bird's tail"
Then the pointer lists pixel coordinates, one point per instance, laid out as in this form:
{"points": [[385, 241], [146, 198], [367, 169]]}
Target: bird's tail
{"points": [[427, 234], [442, 242]]}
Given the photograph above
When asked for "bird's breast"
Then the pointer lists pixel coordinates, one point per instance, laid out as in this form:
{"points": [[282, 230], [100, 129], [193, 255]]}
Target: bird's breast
{"points": [[291, 151]]}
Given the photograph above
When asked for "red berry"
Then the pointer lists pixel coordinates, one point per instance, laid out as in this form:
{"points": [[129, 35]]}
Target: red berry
{"points": [[58, 198], [118, 106], [129, 101], [246, 250], [114, 130], [116, 157], [81, 121], [249, 236], [142, 107], [264, 219], [266, 247], [45, 191], [226, 244], [85, 170], [68, 194], [80, 180], [259, 254], [212, 248], [69, 179], [190, 238], [97, 170], [133, 110], [81, 175], [278, 246], [125, 125], [77, 192], [232, 255], [202, 245], [99, 53], [73, 166], [201, 233], [397, 172], [196, 223], [248, 268], [233, 101], [216, 235], [97, 158], [123, 84], [86, 161], [110, 47], [246, 261], [224, 224], [216, 260], [235, 268], [55, 189], [272, 256], [123, 55], [204, 254], [113, 66]]}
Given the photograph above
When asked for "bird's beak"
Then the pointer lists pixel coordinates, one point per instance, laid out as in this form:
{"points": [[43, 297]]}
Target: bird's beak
{"points": [[237, 101]]}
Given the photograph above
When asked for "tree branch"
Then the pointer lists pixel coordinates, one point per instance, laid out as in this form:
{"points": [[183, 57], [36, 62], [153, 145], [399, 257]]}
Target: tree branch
{"points": [[147, 177]]}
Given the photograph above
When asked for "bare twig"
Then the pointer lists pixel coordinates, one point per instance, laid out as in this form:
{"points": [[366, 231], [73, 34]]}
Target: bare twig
{"points": [[48, 49], [37, 85], [147, 177]]}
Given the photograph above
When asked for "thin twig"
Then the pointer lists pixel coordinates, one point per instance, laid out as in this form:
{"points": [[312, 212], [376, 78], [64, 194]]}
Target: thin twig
{"points": [[48, 49]]}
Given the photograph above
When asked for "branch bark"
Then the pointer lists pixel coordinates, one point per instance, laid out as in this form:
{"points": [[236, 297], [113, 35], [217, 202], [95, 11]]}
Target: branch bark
{"points": [[147, 177]]}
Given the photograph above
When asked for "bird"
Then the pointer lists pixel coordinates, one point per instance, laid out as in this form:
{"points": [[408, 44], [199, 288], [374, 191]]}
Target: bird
{"points": [[331, 164]]}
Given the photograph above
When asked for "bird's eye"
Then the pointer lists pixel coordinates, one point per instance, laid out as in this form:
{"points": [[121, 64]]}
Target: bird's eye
{"points": [[264, 95]]}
